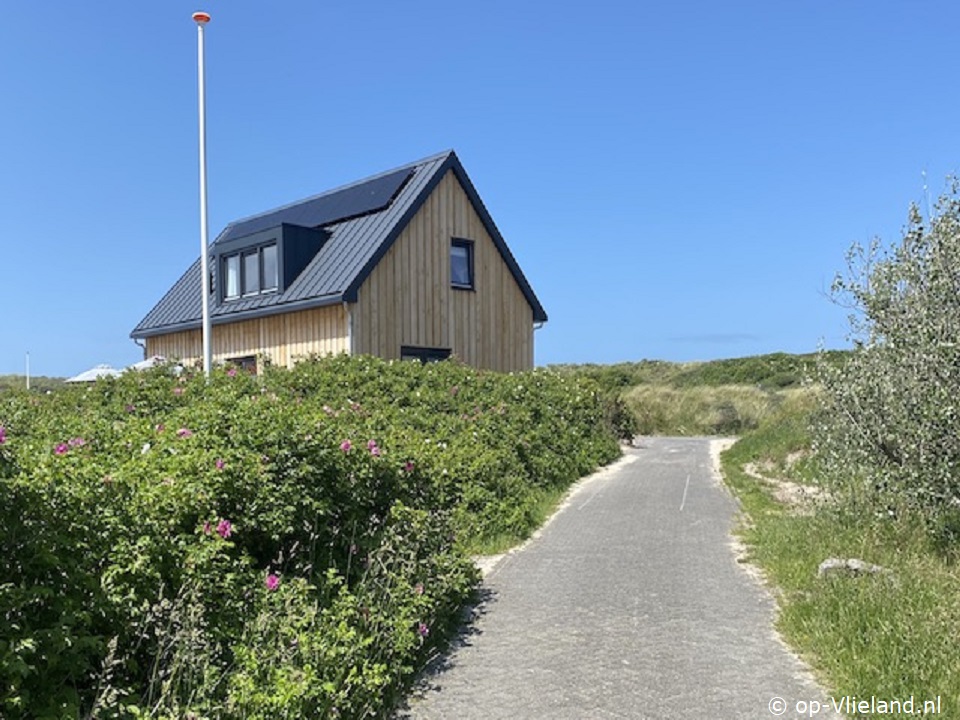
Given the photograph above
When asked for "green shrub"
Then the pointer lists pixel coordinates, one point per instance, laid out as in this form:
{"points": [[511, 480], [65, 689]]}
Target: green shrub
{"points": [[618, 418], [263, 547], [888, 431]]}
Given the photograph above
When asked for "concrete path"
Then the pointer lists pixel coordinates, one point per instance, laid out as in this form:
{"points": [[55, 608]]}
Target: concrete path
{"points": [[629, 604]]}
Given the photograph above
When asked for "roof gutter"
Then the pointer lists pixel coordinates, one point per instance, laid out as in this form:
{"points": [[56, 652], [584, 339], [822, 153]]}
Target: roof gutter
{"points": [[251, 314]]}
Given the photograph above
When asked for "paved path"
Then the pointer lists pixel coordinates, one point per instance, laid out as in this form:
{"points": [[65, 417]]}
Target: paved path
{"points": [[630, 604]]}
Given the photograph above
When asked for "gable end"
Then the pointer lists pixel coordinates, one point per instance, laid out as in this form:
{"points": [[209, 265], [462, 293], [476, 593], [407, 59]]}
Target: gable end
{"points": [[452, 162]]}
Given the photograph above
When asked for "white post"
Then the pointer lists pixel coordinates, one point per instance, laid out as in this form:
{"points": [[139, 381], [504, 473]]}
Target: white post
{"points": [[201, 19]]}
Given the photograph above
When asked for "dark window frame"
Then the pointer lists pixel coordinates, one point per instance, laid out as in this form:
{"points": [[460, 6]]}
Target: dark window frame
{"points": [[225, 261], [245, 280], [242, 283], [247, 363], [467, 245], [424, 354], [276, 268]]}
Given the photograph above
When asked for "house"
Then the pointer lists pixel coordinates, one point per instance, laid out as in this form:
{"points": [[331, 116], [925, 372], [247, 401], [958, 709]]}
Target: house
{"points": [[405, 264]]}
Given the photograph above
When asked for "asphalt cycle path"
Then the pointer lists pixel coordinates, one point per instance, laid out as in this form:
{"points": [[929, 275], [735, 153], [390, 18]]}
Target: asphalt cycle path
{"points": [[629, 603]]}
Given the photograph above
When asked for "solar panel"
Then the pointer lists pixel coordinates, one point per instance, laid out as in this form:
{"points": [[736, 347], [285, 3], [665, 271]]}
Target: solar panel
{"points": [[336, 206]]}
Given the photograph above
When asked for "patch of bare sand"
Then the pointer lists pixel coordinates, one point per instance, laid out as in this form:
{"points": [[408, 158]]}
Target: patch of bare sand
{"points": [[800, 499]]}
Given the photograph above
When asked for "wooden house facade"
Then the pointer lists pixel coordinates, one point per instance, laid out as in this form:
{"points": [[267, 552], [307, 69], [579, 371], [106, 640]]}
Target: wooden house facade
{"points": [[407, 264]]}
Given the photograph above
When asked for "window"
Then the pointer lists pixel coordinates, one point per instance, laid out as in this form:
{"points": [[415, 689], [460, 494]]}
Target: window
{"points": [[231, 268], [461, 263], [268, 257], [250, 272], [424, 355], [247, 363]]}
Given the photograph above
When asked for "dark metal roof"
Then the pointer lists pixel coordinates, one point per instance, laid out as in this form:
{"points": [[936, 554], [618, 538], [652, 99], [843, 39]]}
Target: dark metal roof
{"points": [[363, 219], [352, 201]]}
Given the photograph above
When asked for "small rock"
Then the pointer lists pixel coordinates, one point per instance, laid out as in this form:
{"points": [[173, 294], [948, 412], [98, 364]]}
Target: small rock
{"points": [[853, 566]]}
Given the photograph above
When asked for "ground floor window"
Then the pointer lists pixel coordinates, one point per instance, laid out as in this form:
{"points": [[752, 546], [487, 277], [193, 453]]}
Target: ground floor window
{"points": [[423, 354], [247, 363]]}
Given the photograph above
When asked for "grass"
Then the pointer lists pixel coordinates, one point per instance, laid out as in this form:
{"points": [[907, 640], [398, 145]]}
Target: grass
{"points": [[769, 372], [38, 383], [546, 502], [720, 397], [891, 635], [703, 410]]}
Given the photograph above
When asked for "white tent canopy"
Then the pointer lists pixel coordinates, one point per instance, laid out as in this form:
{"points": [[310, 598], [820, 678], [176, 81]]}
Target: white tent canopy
{"points": [[148, 363], [93, 373]]}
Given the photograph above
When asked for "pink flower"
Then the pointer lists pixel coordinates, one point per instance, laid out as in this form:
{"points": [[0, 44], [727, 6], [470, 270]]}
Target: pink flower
{"points": [[61, 449], [272, 582], [77, 442], [231, 372], [372, 447], [224, 529], [184, 432], [423, 630], [220, 463], [206, 528], [159, 428], [178, 390], [3, 435], [130, 408], [408, 466], [346, 445]]}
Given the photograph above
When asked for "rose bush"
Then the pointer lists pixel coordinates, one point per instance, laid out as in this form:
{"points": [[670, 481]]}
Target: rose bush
{"points": [[289, 545]]}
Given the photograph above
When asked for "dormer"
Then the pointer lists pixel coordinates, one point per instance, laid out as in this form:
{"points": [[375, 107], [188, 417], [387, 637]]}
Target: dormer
{"points": [[267, 261]]}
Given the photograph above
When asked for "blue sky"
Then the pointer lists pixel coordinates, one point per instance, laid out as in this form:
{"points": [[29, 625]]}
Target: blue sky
{"points": [[677, 180]]}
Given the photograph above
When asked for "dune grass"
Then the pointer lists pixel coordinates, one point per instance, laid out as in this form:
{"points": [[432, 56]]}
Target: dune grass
{"points": [[719, 397], [892, 635], [701, 410]]}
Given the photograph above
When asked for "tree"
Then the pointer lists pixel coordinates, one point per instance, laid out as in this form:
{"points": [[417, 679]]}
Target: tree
{"points": [[889, 434]]}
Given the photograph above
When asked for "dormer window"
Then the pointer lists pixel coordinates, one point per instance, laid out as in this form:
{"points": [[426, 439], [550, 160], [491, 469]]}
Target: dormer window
{"points": [[250, 272], [265, 262]]}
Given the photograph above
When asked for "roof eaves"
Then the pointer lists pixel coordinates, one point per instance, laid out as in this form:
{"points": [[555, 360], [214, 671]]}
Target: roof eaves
{"points": [[539, 314], [253, 314]]}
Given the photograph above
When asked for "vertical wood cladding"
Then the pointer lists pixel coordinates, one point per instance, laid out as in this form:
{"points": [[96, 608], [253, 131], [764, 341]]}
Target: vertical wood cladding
{"points": [[408, 300], [282, 338]]}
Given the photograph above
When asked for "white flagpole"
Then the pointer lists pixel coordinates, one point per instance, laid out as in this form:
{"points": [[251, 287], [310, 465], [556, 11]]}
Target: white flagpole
{"points": [[201, 19]]}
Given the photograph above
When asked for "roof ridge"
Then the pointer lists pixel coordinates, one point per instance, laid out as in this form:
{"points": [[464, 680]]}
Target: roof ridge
{"points": [[347, 186]]}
